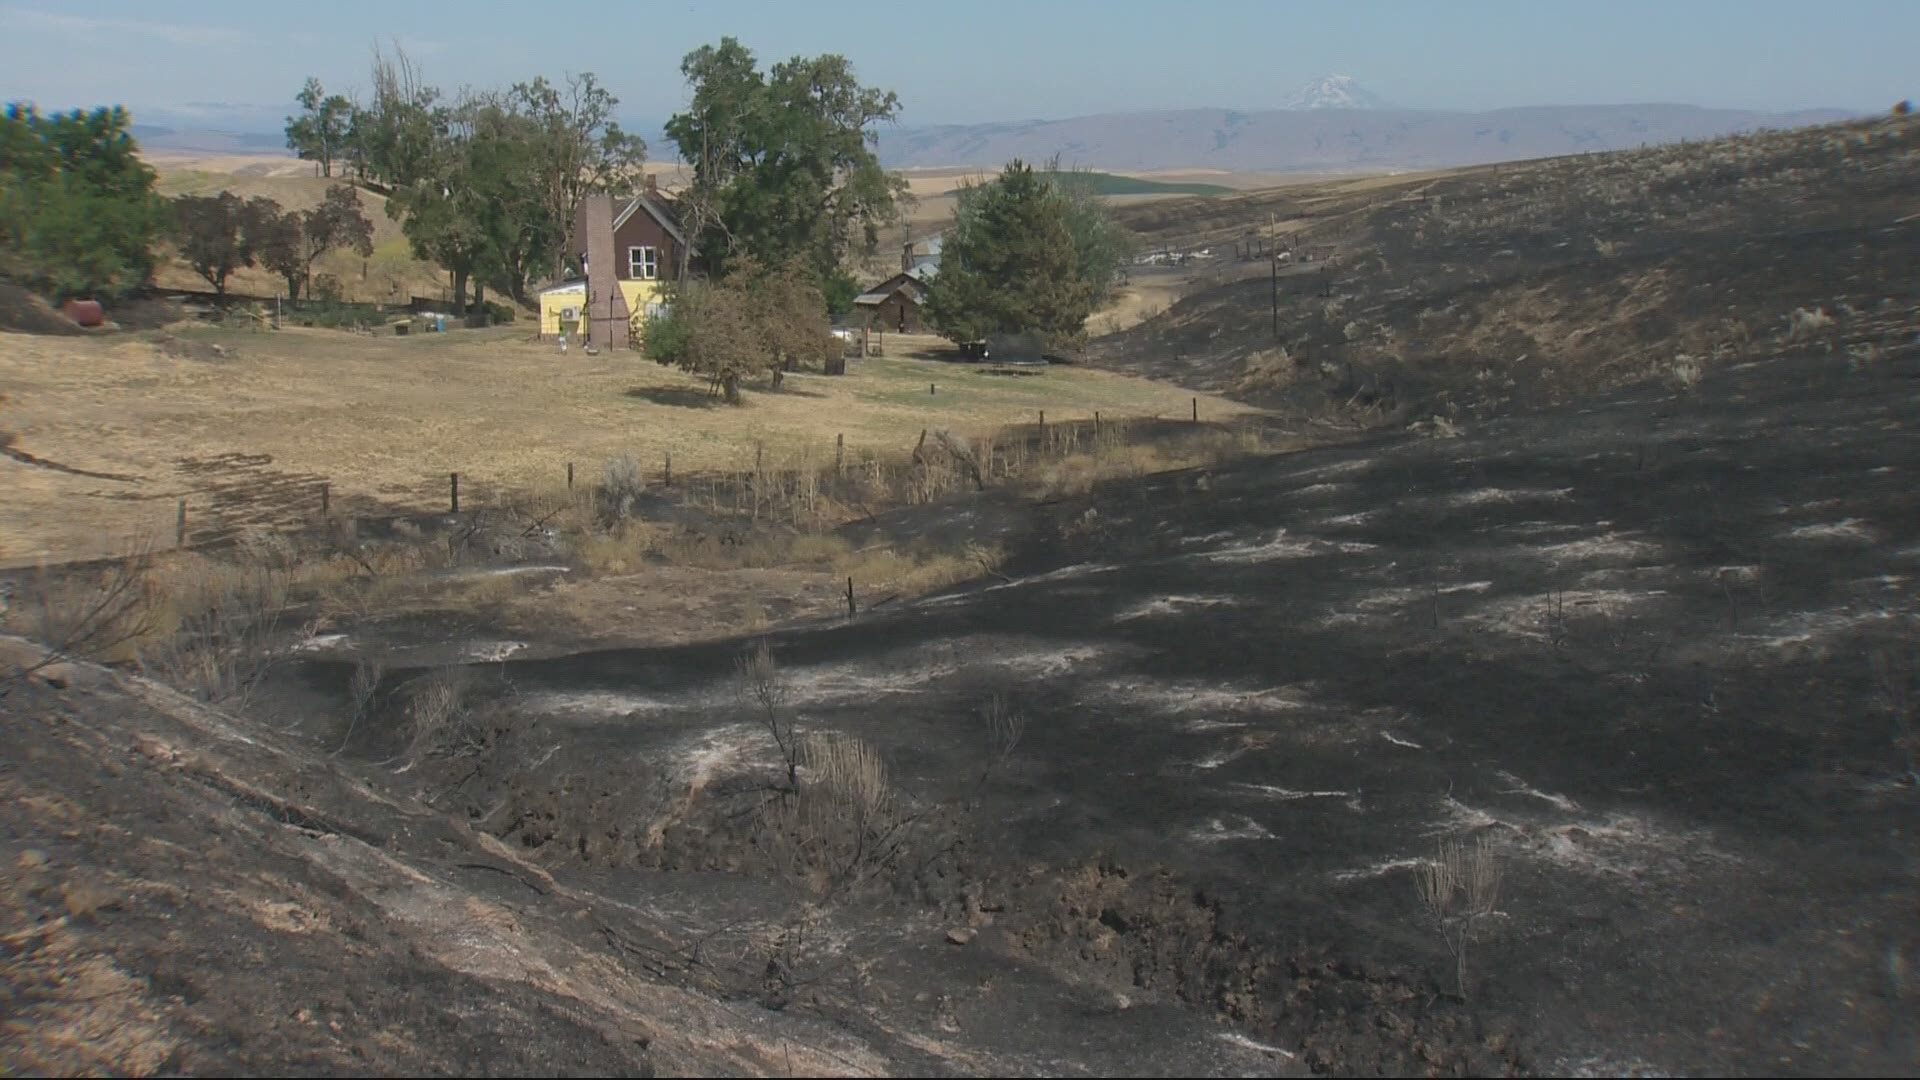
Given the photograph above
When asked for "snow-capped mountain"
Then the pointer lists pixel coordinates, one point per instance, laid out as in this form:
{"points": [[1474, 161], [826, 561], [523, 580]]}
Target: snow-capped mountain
{"points": [[1334, 92]]}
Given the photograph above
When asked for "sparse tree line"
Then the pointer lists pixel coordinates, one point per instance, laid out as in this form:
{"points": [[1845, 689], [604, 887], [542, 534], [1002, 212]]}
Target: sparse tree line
{"points": [[485, 184], [218, 234], [785, 194]]}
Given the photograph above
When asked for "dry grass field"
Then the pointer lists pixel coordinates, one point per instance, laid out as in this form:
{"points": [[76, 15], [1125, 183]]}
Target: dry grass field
{"points": [[122, 426]]}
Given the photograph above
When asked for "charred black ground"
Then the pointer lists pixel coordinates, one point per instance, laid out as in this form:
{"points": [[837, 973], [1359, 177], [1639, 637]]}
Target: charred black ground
{"points": [[1629, 602]]}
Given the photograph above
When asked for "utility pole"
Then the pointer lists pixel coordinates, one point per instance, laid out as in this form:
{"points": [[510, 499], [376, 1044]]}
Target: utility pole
{"points": [[1273, 266]]}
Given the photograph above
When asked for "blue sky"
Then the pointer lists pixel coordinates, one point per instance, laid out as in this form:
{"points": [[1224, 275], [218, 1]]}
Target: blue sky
{"points": [[982, 60]]}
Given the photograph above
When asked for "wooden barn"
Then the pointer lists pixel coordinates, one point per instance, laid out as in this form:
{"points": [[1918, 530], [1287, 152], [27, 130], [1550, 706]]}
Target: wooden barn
{"points": [[894, 304]]}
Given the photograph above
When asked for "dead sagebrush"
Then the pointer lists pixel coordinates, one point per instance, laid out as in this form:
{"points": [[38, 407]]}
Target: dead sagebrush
{"points": [[1896, 668], [229, 618], [761, 687], [1459, 890], [842, 825], [362, 688], [439, 718], [103, 614], [621, 484]]}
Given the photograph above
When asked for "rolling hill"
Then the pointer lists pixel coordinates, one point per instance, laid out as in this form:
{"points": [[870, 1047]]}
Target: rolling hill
{"points": [[1323, 139]]}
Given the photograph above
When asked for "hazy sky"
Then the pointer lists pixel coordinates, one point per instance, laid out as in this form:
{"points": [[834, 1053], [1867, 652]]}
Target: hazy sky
{"points": [[995, 59]]}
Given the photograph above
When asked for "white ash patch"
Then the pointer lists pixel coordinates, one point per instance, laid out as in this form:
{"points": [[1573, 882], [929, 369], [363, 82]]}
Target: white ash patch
{"points": [[1814, 630], [1466, 586], [830, 683], [1217, 758], [696, 761], [512, 571], [1217, 830], [1047, 663], [1373, 606], [1063, 574], [1545, 528], [1610, 545], [1337, 468], [493, 652], [914, 670], [1396, 740], [1848, 530], [1620, 845], [1531, 616], [1282, 546], [1501, 496], [1174, 605], [1190, 541], [1316, 490], [1360, 518], [1378, 870], [1186, 696], [610, 704], [1598, 1066], [1282, 794], [321, 643], [1236, 1039], [1521, 787]]}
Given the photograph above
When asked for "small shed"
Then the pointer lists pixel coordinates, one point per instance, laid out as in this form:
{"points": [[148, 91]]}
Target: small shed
{"points": [[562, 309], [894, 304]]}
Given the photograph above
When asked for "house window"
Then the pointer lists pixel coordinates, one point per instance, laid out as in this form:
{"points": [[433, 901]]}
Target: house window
{"points": [[643, 263]]}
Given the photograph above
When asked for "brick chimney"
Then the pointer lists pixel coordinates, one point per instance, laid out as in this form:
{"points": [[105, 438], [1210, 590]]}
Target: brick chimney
{"points": [[906, 256], [606, 306], [653, 184]]}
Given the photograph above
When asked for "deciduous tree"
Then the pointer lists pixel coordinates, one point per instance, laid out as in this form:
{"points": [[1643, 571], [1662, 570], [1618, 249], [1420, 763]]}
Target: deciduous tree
{"points": [[336, 223], [319, 134], [213, 235], [783, 161]]}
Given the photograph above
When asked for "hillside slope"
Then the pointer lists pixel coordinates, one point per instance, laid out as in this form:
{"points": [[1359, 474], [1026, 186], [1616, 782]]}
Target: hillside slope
{"points": [[1463, 292]]}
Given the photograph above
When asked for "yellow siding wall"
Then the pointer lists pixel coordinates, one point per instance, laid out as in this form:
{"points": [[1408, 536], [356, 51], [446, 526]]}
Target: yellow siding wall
{"points": [[638, 294], [551, 304]]}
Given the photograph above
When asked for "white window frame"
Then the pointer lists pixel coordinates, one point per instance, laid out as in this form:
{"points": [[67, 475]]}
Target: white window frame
{"points": [[643, 263]]}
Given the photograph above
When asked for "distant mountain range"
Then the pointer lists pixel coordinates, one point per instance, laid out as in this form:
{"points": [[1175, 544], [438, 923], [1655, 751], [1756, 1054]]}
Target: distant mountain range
{"points": [[1322, 138], [1330, 124]]}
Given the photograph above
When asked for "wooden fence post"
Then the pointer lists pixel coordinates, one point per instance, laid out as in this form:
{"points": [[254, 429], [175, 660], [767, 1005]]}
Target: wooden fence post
{"points": [[1196, 410], [180, 526], [839, 454], [569, 476], [849, 598], [666, 474], [453, 491], [326, 498], [929, 389]]}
